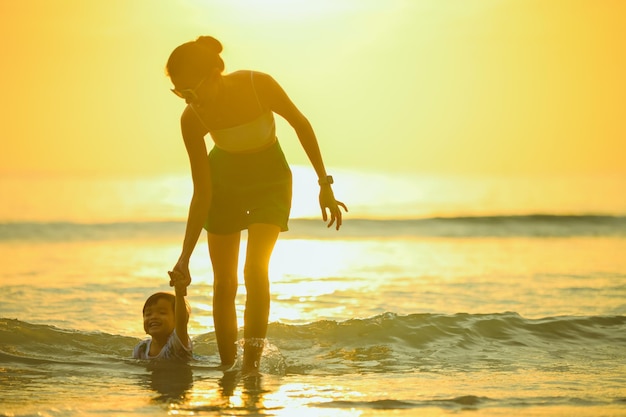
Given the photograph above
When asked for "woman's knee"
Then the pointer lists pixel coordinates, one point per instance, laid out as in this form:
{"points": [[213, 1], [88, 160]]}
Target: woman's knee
{"points": [[225, 287], [255, 271], [256, 278]]}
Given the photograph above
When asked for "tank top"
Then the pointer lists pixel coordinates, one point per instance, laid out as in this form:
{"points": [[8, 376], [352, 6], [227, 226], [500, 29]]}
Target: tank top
{"points": [[246, 137], [174, 349]]}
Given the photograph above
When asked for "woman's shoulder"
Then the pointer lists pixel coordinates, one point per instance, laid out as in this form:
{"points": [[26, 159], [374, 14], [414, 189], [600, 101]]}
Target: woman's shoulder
{"points": [[188, 114], [248, 75], [191, 123], [245, 81]]}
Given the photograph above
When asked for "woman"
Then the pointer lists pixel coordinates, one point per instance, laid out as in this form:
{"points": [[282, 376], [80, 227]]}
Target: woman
{"points": [[245, 183]]}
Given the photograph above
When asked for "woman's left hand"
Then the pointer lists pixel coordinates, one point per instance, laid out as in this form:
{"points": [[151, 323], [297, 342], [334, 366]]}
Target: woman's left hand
{"points": [[328, 202]]}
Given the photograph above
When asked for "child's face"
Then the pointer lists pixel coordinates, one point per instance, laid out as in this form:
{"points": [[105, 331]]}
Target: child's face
{"points": [[158, 319]]}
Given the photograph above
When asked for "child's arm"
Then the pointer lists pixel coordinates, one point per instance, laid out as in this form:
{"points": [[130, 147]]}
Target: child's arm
{"points": [[180, 310]]}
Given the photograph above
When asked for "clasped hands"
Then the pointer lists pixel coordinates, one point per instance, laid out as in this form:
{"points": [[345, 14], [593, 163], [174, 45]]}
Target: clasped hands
{"points": [[179, 281]]}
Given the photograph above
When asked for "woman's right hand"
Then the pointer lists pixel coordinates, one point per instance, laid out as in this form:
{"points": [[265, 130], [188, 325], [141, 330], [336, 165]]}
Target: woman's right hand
{"points": [[179, 275]]}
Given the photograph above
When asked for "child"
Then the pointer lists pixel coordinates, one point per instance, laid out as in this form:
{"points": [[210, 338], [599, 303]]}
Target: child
{"points": [[165, 318]]}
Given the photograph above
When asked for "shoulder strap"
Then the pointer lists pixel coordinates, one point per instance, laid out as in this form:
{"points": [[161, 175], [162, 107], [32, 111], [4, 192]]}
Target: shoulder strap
{"points": [[198, 116], [254, 89]]}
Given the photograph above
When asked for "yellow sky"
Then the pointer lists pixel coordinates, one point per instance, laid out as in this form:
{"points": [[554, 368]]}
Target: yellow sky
{"points": [[455, 86]]}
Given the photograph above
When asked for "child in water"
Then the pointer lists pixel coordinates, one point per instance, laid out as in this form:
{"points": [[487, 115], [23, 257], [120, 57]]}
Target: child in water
{"points": [[165, 318]]}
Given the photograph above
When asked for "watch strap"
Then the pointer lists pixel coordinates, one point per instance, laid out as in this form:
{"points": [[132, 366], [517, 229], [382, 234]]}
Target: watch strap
{"points": [[326, 180]]}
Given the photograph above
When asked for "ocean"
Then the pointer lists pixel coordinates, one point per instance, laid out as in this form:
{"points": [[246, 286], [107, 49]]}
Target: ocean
{"points": [[485, 303]]}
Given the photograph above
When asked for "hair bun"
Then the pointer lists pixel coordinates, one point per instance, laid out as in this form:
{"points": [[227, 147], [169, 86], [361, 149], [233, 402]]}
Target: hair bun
{"points": [[211, 43]]}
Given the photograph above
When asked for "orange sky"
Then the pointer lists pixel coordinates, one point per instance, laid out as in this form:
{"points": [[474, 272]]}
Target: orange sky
{"points": [[490, 86]]}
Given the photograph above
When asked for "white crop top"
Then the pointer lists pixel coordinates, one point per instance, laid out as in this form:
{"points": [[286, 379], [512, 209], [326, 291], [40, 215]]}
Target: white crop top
{"points": [[255, 134]]}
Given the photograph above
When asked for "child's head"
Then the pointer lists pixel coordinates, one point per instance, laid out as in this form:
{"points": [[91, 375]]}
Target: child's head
{"points": [[159, 314]]}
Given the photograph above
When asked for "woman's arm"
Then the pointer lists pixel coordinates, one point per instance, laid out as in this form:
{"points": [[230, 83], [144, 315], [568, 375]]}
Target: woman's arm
{"points": [[277, 100], [193, 137]]}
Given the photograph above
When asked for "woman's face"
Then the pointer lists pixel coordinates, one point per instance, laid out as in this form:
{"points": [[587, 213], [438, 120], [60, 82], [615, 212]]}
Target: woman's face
{"points": [[198, 91]]}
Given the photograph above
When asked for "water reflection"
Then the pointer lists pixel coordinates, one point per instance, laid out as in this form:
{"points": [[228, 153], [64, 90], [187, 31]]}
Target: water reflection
{"points": [[250, 397], [172, 381], [229, 393], [198, 389]]}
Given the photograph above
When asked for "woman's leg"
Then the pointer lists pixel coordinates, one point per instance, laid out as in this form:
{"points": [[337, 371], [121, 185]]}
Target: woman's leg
{"points": [[224, 252], [261, 241]]}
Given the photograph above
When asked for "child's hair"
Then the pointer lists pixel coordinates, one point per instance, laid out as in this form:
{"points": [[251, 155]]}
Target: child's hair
{"points": [[154, 298]]}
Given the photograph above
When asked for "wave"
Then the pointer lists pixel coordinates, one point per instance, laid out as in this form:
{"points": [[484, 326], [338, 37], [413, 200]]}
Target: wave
{"points": [[36, 342], [473, 402], [69, 231], [534, 225], [537, 225], [383, 343], [501, 361]]}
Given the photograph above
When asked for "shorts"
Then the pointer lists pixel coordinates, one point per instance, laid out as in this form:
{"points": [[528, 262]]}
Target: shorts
{"points": [[248, 188]]}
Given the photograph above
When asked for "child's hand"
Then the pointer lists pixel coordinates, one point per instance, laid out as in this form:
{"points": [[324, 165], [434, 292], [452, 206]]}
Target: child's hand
{"points": [[179, 281]]}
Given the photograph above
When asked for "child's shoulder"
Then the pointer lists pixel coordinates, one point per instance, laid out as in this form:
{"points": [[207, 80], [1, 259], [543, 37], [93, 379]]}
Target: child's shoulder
{"points": [[140, 351]]}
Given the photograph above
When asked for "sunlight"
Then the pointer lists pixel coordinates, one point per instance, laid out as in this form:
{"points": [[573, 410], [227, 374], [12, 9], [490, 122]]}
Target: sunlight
{"points": [[281, 9], [285, 399], [305, 191]]}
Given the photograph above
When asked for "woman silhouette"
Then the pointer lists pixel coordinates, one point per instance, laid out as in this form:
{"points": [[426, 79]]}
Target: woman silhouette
{"points": [[245, 183]]}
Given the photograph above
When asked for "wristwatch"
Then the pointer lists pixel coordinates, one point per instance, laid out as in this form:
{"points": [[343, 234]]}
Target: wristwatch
{"points": [[327, 180]]}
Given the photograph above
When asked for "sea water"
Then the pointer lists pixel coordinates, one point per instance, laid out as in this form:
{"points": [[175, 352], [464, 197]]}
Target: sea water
{"points": [[493, 315]]}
